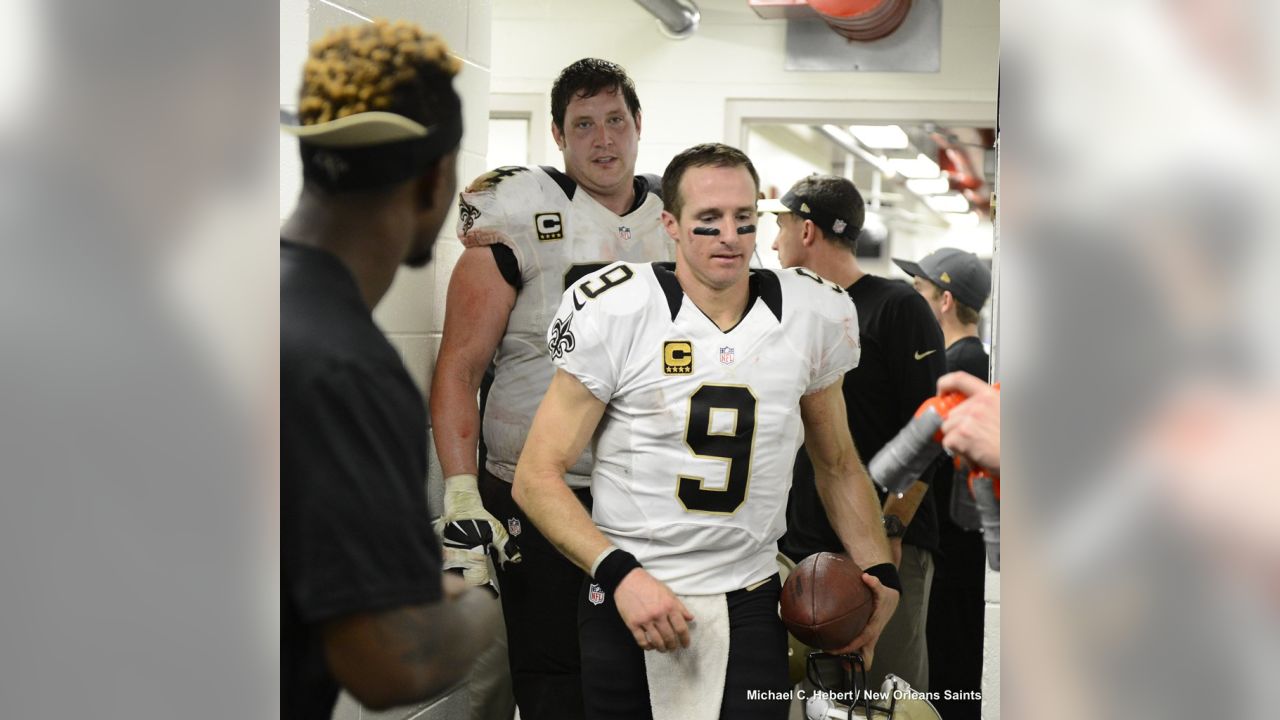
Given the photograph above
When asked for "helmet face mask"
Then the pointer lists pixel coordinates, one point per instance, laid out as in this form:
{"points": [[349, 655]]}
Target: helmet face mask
{"points": [[842, 692], [850, 681]]}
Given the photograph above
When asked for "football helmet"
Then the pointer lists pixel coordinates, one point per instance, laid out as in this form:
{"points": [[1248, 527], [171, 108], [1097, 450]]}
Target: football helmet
{"points": [[841, 692]]}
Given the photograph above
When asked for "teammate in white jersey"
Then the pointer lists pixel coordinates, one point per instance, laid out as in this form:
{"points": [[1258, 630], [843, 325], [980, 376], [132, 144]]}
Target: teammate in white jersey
{"points": [[688, 379], [528, 234]]}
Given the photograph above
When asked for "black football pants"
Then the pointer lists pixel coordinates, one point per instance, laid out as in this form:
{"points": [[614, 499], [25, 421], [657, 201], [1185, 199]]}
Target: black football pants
{"points": [[615, 686], [539, 606]]}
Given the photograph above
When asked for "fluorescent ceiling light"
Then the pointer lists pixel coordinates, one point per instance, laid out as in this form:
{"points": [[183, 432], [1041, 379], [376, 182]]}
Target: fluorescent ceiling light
{"points": [[880, 137], [917, 167], [838, 132], [929, 186], [950, 203]]}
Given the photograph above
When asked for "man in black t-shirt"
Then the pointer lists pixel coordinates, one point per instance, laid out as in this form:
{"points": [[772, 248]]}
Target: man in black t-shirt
{"points": [[363, 602], [956, 285], [819, 220]]}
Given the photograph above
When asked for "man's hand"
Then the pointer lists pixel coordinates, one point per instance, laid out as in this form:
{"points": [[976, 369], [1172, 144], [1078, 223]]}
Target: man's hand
{"points": [[972, 429], [654, 615], [886, 601], [469, 565], [468, 532]]}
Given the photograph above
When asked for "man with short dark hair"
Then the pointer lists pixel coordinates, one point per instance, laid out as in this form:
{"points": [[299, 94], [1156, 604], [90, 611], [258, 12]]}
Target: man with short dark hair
{"points": [[528, 234], [956, 285], [363, 603], [819, 220], [687, 378]]}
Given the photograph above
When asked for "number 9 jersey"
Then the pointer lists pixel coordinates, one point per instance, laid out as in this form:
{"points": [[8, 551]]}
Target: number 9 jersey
{"points": [[694, 454]]}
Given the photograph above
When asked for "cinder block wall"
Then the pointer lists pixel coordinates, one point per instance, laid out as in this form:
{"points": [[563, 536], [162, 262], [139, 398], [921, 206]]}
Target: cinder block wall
{"points": [[412, 314]]}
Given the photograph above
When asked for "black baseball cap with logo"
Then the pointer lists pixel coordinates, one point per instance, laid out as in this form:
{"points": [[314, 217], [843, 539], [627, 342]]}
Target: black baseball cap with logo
{"points": [[962, 273], [843, 222]]}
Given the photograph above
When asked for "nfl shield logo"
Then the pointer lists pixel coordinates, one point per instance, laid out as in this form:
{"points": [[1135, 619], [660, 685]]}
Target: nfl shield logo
{"points": [[513, 526], [726, 356], [595, 594], [624, 233]]}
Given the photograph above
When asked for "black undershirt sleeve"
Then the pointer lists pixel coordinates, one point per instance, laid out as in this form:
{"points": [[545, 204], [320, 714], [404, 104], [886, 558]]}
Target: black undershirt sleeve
{"points": [[507, 265]]}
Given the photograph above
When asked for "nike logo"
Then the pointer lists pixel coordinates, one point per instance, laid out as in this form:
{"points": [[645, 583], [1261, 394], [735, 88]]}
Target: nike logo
{"points": [[923, 355], [577, 305]]}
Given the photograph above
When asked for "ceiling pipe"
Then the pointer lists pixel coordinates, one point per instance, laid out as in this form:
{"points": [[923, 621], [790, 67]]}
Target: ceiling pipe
{"points": [[957, 166], [678, 19]]}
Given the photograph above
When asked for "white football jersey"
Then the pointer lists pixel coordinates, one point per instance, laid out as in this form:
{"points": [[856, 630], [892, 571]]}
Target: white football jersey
{"points": [[695, 450], [557, 233]]}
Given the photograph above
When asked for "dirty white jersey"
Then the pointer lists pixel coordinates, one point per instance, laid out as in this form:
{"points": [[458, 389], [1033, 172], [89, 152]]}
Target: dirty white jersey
{"points": [[551, 233], [694, 453]]}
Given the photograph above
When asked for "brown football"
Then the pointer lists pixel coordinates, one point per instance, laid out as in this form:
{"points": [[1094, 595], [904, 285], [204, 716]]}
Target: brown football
{"points": [[825, 604]]}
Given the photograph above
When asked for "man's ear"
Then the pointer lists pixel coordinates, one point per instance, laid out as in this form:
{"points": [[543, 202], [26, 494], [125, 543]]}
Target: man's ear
{"points": [[639, 117], [809, 233], [435, 181], [427, 184], [557, 134], [672, 225], [948, 301]]}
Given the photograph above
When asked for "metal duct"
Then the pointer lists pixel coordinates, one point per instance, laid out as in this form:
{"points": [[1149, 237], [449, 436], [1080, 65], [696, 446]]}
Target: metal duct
{"points": [[677, 18]]}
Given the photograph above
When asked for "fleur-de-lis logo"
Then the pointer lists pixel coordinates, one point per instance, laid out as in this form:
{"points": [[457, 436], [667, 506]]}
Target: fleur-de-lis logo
{"points": [[562, 340], [468, 213]]}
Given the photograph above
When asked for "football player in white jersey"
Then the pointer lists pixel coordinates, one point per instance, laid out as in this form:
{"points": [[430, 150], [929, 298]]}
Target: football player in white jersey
{"points": [[528, 234], [687, 380]]}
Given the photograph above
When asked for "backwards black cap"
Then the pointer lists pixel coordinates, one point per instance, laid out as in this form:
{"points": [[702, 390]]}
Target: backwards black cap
{"points": [[844, 222], [373, 149]]}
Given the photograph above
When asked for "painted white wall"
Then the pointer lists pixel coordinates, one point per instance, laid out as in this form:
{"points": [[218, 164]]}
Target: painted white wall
{"points": [[508, 142], [783, 157]]}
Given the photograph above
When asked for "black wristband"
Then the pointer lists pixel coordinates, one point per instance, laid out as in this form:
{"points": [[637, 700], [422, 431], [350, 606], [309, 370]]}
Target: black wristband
{"points": [[614, 567], [887, 574]]}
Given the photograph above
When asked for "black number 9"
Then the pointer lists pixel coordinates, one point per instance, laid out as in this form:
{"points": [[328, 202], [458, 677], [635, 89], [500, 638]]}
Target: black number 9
{"points": [[734, 447]]}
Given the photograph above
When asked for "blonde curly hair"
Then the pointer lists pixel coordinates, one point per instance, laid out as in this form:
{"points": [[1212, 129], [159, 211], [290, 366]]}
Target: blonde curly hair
{"points": [[392, 67]]}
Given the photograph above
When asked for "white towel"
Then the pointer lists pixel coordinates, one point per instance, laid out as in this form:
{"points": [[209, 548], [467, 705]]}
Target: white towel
{"points": [[688, 684]]}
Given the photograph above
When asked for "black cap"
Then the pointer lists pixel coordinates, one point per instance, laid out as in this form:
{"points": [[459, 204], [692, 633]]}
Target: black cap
{"points": [[844, 222], [962, 273], [374, 149]]}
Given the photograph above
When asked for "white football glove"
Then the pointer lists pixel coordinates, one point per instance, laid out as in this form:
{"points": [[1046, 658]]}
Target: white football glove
{"points": [[471, 562], [469, 533]]}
